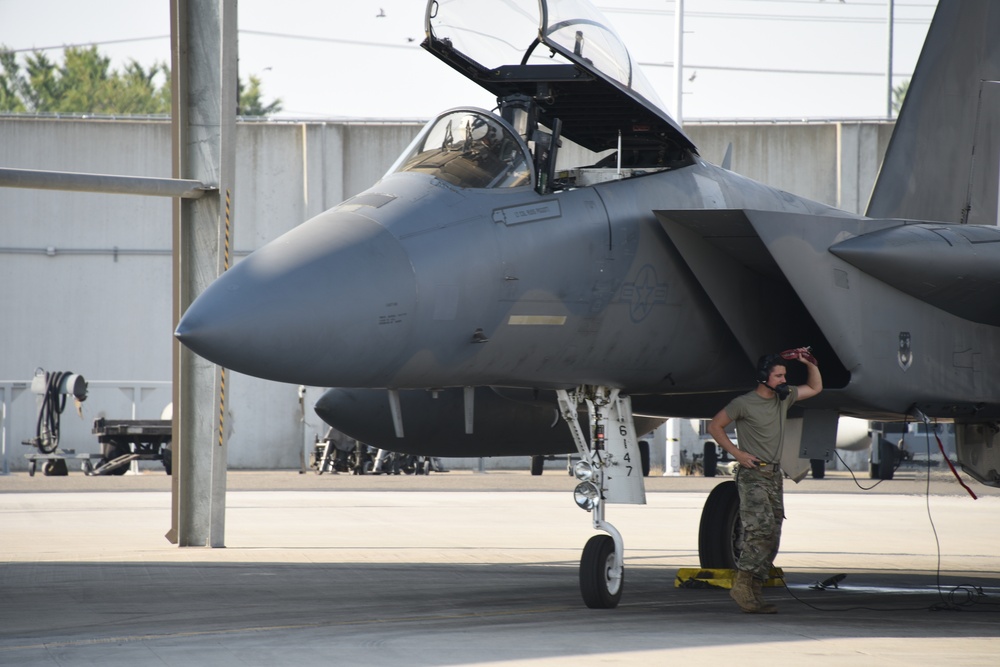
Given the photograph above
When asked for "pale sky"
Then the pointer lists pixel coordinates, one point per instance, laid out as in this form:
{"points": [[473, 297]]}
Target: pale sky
{"points": [[338, 58]]}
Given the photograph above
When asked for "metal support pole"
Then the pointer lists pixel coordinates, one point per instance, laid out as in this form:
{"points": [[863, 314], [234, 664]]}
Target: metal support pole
{"points": [[3, 430], [204, 85], [888, 67], [679, 61]]}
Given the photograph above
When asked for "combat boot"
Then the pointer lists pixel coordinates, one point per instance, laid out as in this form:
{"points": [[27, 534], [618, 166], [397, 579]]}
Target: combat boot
{"points": [[757, 587], [742, 593]]}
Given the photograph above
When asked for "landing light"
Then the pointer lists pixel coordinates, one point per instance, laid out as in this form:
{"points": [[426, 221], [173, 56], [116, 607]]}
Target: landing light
{"points": [[586, 495], [583, 471]]}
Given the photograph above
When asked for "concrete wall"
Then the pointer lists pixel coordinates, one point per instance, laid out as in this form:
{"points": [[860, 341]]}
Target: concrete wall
{"points": [[85, 278], [832, 163]]}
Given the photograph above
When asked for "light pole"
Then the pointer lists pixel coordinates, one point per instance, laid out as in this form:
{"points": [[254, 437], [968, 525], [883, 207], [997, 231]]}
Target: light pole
{"points": [[888, 69], [679, 61]]}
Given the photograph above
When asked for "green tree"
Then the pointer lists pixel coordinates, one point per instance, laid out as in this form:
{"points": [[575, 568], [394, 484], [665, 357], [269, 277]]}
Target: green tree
{"points": [[83, 84], [251, 102], [86, 83], [43, 84], [136, 90], [12, 83], [899, 94]]}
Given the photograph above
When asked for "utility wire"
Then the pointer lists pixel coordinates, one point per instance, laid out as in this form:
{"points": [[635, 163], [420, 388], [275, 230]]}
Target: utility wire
{"points": [[32, 49], [353, 42]]}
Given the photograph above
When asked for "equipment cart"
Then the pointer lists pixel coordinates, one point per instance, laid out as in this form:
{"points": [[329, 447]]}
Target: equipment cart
{"points": [[126, 440]]}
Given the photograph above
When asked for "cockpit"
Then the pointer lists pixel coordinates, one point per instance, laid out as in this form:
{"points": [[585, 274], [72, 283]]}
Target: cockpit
{"points": [[470, 148], [573, 108]]}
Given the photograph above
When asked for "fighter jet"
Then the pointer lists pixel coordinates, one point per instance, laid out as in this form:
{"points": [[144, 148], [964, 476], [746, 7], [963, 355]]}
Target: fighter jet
{"points": [[571, 254]]}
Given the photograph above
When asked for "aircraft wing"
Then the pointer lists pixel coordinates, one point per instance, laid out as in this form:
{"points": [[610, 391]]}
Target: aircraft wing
{"points": [[856, 289]]}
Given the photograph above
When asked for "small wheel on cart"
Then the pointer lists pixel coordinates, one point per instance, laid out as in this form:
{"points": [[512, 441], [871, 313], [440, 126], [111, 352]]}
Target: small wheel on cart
{"points": [[55, 468], [32, 467]]}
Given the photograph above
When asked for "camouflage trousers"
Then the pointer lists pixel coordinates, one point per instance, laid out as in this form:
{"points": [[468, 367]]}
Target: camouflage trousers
{"points": [[762, 510]]}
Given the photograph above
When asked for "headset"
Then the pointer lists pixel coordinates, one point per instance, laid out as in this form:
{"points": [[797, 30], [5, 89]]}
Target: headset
{"points": [[764, 365]]}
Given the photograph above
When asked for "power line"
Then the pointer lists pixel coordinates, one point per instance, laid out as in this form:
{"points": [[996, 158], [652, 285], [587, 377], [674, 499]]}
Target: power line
{"points": [[334, 40], [352, 42], [808, 18], [812, 3], [772, 70], [761, 16], [802, 18], [853, 4], [86, 44], [805, 18], [260, 33]]}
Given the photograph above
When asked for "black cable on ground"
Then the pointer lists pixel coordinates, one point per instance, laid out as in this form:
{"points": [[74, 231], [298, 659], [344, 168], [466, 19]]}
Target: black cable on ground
{"points": [[959, 598], [856, 482], [964, 597]]}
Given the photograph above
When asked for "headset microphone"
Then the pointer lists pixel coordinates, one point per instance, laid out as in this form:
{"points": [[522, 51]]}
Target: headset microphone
{"points": [[781, 390]]}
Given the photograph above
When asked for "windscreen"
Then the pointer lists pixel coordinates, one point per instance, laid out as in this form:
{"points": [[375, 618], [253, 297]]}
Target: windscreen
{"points": [[469, 149]]}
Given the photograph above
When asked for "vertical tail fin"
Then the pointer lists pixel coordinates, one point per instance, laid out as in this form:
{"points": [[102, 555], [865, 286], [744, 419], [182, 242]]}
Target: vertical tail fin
{"points": [[942, 160]]}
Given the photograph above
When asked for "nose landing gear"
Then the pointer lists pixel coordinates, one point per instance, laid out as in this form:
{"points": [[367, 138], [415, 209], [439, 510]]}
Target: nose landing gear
{"points": [[610, 471]]}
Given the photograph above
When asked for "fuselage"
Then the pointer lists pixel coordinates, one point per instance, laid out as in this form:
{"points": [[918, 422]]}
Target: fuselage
{"points": [[458, 270], [418, 282], [480, 260]]}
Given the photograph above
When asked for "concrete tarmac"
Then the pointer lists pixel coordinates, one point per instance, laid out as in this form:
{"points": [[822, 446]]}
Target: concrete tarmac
{"points": [[458, 569]]}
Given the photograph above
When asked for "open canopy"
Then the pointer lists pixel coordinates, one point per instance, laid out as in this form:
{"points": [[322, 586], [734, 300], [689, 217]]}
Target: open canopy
{"points": [[564, 55]]}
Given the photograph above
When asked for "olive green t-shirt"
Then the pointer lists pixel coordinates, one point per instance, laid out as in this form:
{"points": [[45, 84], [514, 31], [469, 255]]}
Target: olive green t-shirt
{"points": [[760, 423]]}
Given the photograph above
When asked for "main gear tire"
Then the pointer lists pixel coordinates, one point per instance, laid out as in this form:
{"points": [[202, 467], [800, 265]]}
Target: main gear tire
{"points": [[720, 534]]}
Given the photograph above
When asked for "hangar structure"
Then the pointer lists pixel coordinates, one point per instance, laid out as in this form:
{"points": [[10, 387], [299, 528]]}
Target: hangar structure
{"points": [[113, 324]]}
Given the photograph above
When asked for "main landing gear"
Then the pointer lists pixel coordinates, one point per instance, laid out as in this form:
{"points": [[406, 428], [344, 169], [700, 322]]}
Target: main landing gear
{"points": [[610, 471], [720, 533]]}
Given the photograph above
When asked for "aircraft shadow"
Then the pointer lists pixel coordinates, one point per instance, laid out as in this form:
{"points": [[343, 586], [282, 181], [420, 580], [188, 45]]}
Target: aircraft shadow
{"points": [[438, 614]]}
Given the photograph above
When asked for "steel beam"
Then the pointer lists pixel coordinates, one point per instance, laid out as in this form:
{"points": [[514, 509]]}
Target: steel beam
{"points": [[83, 182], [204, 105]]}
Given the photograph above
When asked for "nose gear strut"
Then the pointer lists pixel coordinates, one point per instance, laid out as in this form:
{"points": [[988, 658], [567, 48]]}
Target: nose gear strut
{"points": [[610, 472]]}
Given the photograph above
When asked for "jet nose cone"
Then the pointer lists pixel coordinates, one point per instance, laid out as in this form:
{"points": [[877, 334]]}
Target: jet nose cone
{"points": [[327, 304]]}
